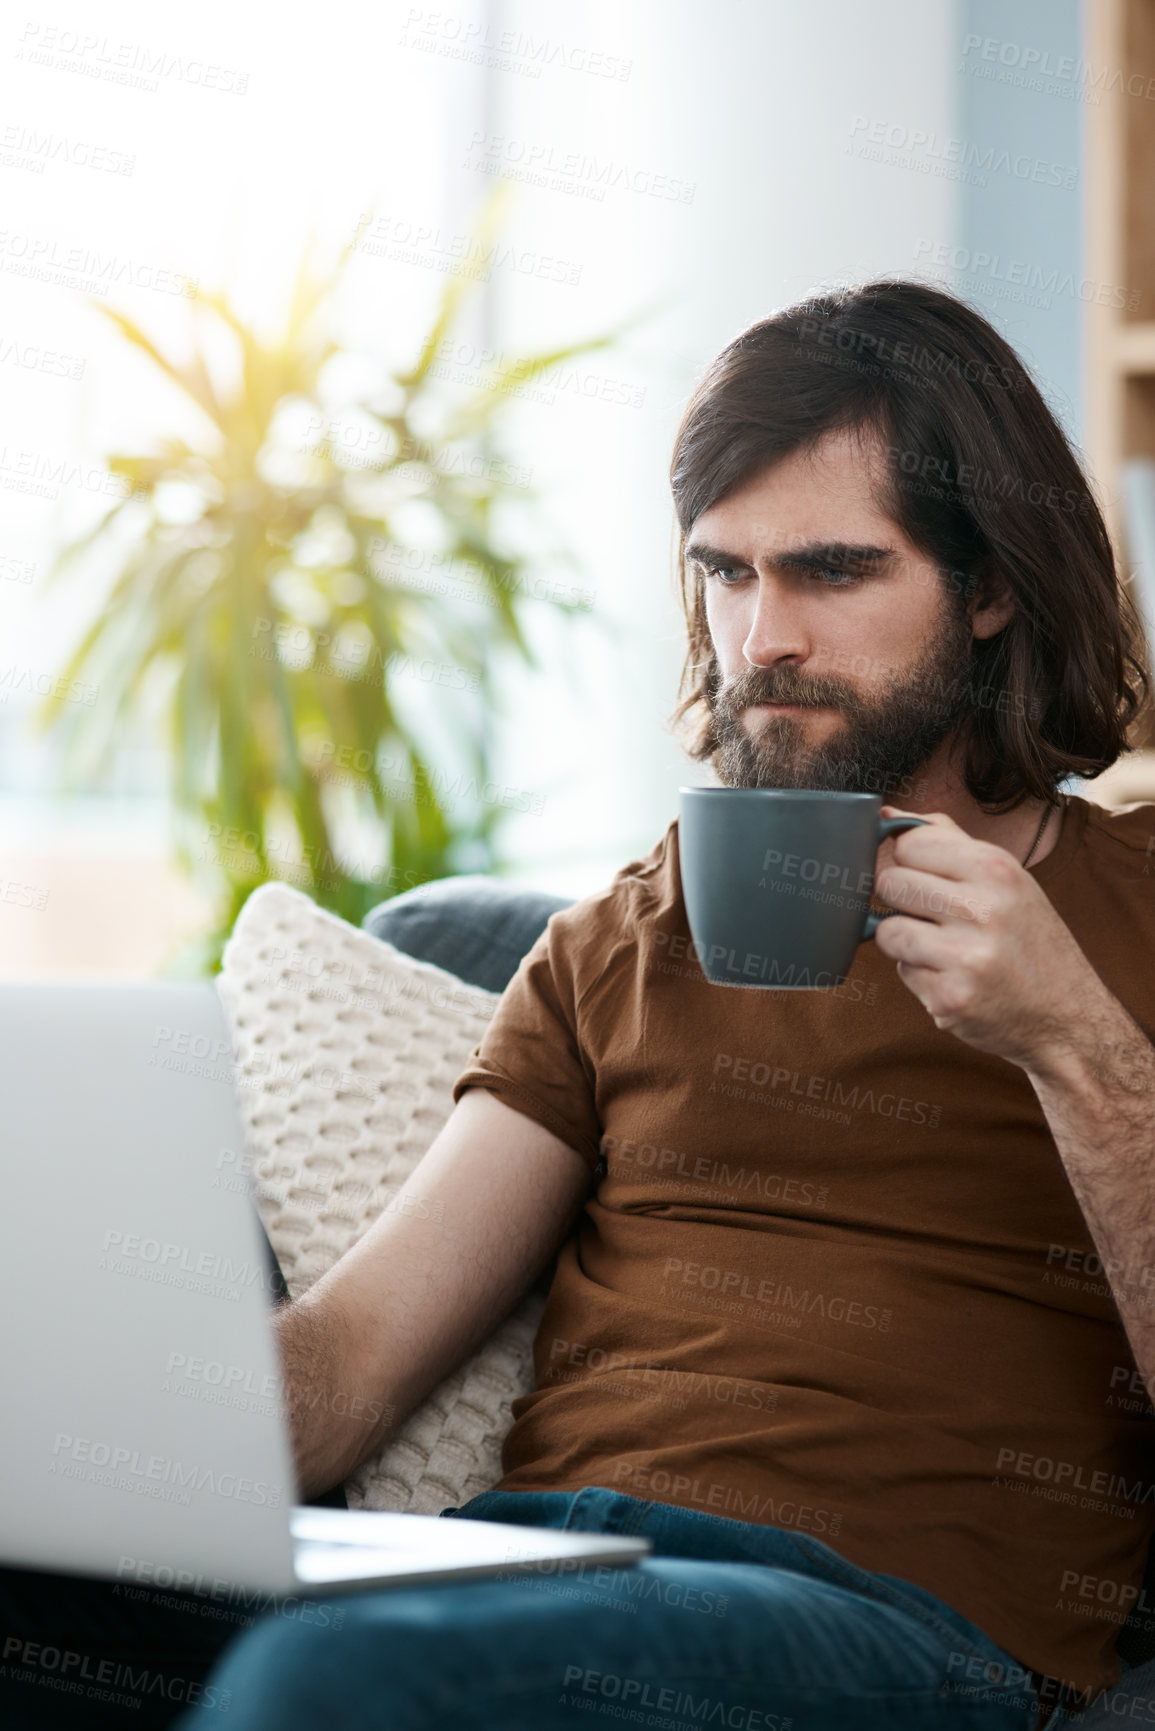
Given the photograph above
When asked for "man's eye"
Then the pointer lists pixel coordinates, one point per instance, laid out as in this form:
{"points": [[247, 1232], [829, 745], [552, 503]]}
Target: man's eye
{"points": [[832, 576], [836, 578]]}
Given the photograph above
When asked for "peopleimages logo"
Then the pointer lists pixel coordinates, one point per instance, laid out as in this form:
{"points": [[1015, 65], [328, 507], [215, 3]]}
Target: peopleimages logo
{"points": [[1120, 1596], [816, 871], [138, 65], [732, 1284], [695, 1384], [205, 1264], [74, 1673], [1072, 1474], [955, 158], [664, 1705], [244, 1604], [669, 1164], [219, 1375], [730, 1072], [658, 1483], [153, 1475]]}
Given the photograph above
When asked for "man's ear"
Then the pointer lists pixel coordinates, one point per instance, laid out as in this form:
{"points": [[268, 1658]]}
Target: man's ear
{"points": [[992, 606]]}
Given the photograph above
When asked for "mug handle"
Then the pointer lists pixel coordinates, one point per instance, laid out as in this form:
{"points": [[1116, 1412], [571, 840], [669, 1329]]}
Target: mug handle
{"points": [[888, 826]]}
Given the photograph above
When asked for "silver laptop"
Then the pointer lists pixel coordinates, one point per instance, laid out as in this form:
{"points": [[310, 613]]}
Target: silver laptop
{"points": [[142, 1432]]}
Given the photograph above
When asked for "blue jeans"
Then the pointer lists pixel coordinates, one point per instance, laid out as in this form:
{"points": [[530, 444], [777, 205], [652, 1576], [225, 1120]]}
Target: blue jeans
{"points": [[729, 1623]]}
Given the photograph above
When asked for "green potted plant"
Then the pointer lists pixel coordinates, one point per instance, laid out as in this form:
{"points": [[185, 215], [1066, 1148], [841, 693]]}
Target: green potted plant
{"points": [[269, 602]]}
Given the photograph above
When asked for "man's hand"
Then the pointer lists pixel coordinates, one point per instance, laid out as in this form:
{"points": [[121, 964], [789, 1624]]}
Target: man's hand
{"points": [[981, 947]]}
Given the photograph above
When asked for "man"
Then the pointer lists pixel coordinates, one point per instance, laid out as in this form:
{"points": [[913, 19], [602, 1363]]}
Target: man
{"points": [[848, 1282]]}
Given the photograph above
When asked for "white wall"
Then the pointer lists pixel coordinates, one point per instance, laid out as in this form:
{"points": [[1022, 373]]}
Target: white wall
{"points": [[1024, 89], [754, 104]]}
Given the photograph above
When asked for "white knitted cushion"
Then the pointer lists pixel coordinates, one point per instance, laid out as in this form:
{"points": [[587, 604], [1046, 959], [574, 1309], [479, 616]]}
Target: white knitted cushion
{"points": [[348, 1050]]}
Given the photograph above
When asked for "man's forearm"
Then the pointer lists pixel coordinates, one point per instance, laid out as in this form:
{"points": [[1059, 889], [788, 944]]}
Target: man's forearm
{"points": [[445, 1261], [335, 1418], [1097, 1090]]}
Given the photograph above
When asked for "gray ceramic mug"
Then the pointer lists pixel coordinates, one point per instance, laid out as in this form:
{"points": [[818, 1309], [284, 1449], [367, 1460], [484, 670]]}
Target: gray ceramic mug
{"points": [[777, 882]]}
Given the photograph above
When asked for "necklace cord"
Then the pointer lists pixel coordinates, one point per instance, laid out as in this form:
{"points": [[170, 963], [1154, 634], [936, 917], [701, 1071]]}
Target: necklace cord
{"points": [[1046, 818]]}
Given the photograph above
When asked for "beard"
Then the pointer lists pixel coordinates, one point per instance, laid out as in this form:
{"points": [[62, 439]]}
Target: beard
{"points": [[883, 739]]}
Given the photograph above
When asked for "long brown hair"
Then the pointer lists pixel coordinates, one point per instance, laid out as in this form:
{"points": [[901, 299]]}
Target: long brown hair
{"points": [[981, 479]]}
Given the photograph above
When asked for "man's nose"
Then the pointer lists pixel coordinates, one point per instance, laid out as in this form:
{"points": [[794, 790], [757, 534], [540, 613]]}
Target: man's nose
{"points": [[778, 628]]}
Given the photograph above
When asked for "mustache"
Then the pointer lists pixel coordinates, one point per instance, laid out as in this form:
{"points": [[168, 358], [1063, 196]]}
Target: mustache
{"points": [[784, 685]]}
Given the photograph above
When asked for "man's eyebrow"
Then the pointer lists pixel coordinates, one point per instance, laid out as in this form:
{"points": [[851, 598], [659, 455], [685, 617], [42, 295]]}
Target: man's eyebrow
{"points": [[806, 558], [848, 553], [701, 553]]}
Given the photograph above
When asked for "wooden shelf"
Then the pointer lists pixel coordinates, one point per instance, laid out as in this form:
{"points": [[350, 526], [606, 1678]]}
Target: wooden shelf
{"points": [[1134, 349], [1119, 224]]}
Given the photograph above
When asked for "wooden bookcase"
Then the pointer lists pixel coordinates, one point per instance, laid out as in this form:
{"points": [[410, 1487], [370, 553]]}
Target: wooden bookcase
{"points": [[1119, 226]]}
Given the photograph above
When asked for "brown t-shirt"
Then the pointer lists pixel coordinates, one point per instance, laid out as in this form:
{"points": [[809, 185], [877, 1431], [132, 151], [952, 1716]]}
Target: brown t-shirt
{"points": [[831, 1275]]}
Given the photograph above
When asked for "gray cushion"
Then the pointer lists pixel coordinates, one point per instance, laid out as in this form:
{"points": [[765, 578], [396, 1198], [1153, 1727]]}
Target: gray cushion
{"points": [[476, 927]]}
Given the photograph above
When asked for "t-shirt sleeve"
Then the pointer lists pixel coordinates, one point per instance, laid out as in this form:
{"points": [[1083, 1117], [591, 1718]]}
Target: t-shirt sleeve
{"points": [[530, 1056]]}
